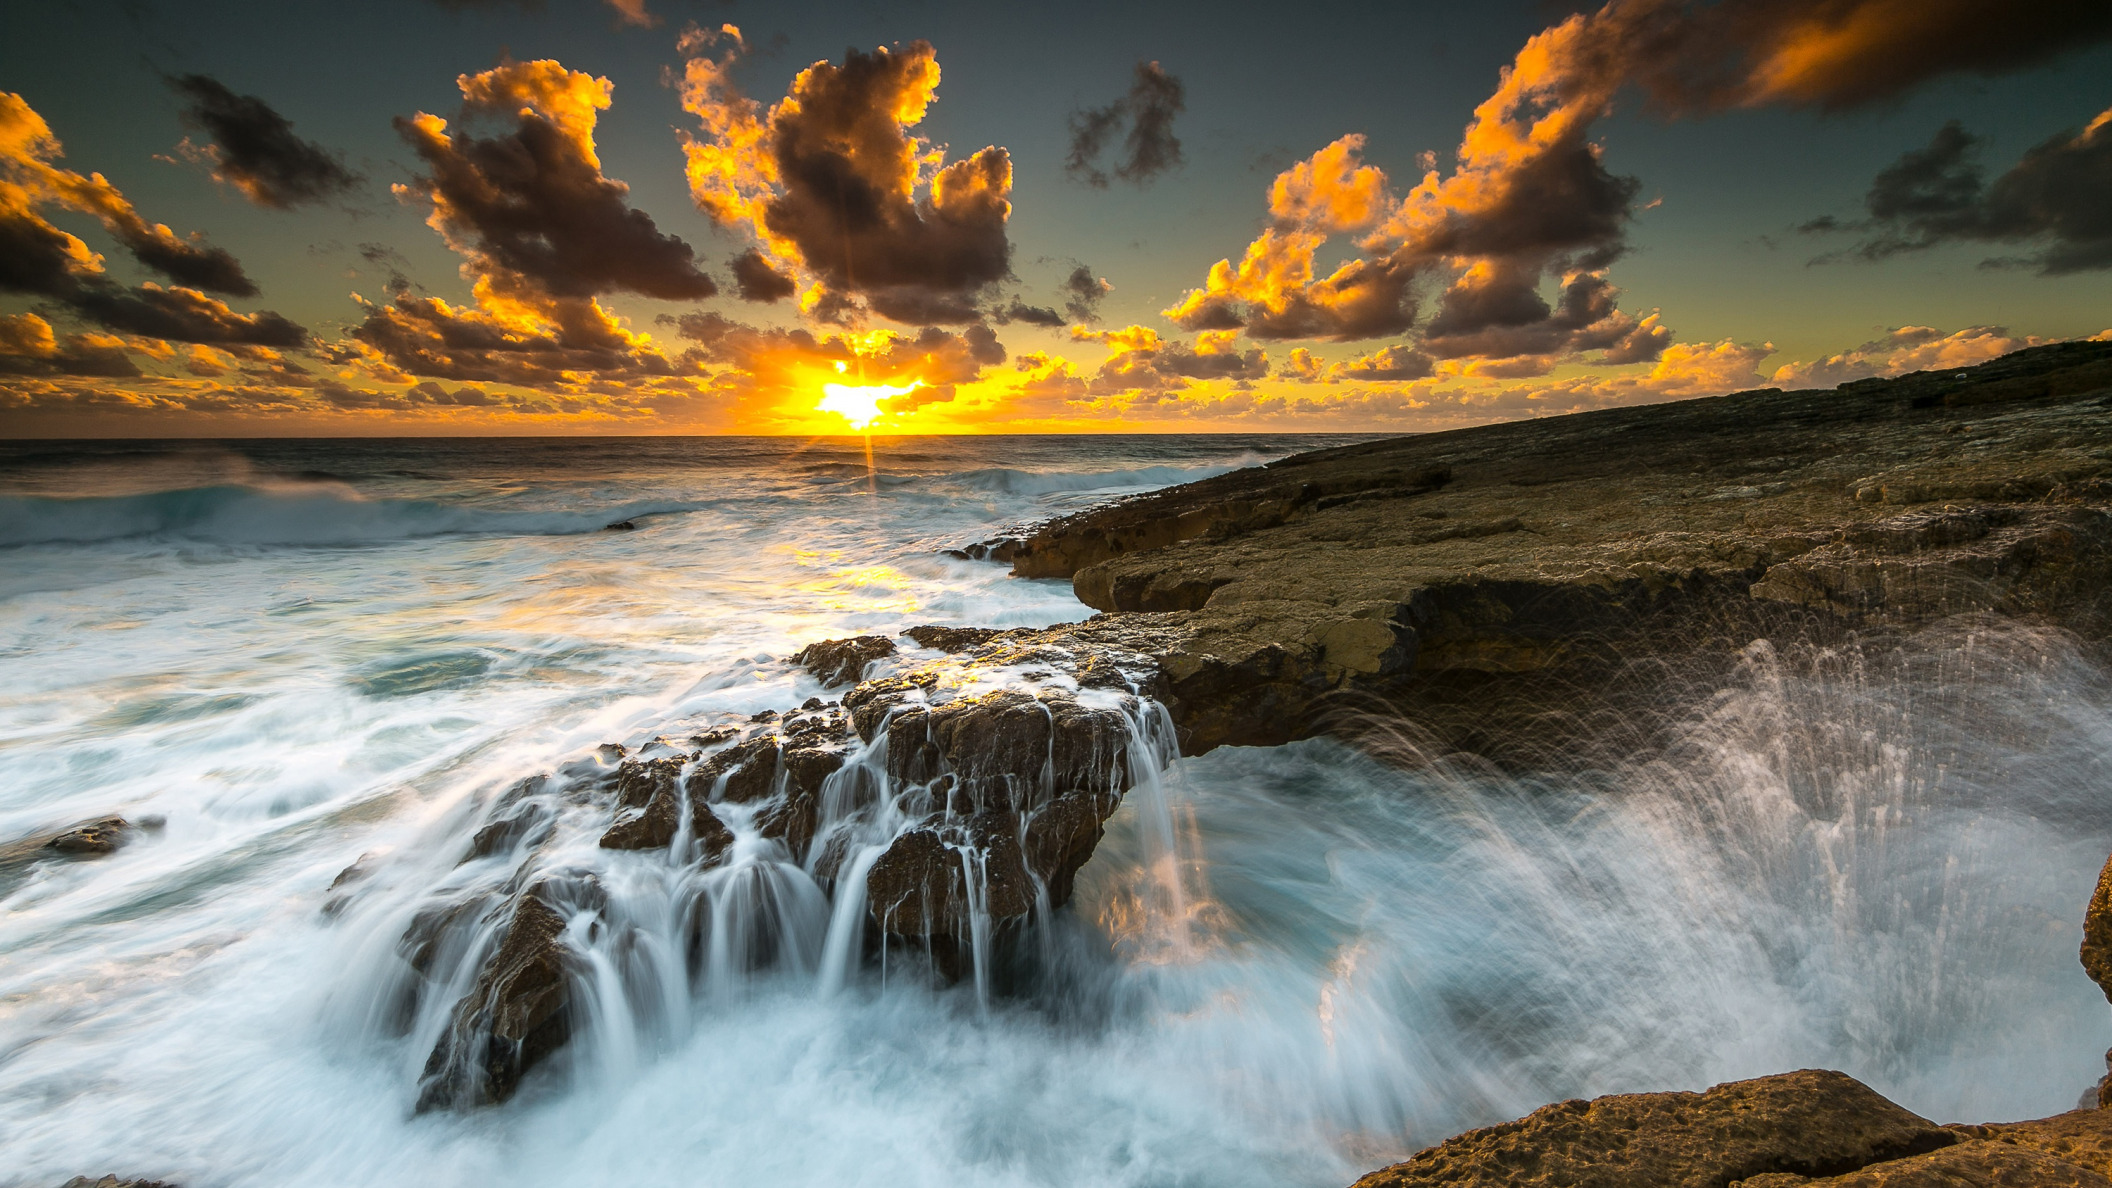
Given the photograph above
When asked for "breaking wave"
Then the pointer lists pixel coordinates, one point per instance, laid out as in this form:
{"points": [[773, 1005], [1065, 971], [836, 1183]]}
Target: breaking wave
{"points": [[298, 515]]}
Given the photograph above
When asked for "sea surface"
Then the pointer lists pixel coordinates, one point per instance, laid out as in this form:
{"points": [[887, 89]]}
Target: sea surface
{"points": [[290, 656]]}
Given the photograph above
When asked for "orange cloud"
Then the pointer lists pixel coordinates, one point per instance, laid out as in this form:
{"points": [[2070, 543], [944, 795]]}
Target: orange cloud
{"points": [[836, 191], [1909, 348]]}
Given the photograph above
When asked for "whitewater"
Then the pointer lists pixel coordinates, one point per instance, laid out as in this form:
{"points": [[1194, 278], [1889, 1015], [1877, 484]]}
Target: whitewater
{"points": [[1282, 966]]}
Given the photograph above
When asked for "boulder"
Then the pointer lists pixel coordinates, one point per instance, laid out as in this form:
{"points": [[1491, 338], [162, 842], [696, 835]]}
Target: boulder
{"points": [[1809, 1123], [843, 661]]}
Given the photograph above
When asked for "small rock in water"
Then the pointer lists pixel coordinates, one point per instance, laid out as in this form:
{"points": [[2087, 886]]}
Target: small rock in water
{"points": [[114, 1182], [621, 526], [103, 836]]}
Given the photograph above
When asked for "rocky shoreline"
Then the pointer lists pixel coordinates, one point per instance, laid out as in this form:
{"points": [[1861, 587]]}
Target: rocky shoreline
{"points": [[1506, 590]]}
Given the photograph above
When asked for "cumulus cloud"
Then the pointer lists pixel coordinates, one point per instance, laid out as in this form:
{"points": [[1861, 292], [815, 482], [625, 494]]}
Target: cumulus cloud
{"points": [[531, 209], [1140, 362], [29, 346], [2052, 202], [542, 234], [1906, 349], [39, 259], [1150, 149], [1531, 203], [42, 259], [184, 315], [836, 189], [253, 148]]}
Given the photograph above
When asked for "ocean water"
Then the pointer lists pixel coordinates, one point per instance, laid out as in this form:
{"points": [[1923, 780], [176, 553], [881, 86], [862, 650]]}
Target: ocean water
{"points": [[1283, 966]]}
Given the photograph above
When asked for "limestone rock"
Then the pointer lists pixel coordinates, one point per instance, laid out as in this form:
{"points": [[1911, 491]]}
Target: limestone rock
{"points": [[1808, 1123], [1486, 582], [843, 661]]}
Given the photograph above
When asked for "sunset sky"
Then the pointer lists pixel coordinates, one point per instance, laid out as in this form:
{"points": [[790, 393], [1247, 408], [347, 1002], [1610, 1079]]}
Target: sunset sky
{"points": [[643, 216]]}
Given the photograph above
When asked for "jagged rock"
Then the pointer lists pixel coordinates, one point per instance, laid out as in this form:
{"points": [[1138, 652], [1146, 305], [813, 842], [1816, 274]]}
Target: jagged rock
{"points": [[1808, 1123], [1017, 786], [529, 821], [648, 811], [114, 1182], [518, 1013], [843, 661], [741, 773]]}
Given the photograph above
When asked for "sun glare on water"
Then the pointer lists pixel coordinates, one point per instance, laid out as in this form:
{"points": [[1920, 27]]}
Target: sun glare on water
{"points": [[860, 403]]}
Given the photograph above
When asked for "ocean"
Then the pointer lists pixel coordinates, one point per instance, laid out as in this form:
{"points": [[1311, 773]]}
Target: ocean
{"points": [[1283, 966]]}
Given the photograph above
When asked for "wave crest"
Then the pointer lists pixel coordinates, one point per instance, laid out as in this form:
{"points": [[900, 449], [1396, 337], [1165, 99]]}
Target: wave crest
{"points": [[314, 516]]}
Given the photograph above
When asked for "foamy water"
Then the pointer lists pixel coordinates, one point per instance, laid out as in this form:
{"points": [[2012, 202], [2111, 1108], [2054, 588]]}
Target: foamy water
{"points": [[1283, 966]]}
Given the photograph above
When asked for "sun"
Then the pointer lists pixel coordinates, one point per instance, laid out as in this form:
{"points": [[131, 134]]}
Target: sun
{"points": [[860, 403]]}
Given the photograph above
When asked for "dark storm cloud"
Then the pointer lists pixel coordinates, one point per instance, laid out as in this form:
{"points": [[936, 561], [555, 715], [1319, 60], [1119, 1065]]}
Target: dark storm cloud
{"points": [[1150, 149], [532, 208], [2057, 199], [756, 281], [255, 150]]}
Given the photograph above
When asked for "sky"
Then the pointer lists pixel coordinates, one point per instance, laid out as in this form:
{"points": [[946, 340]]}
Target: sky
{"points": [[420, 217]]}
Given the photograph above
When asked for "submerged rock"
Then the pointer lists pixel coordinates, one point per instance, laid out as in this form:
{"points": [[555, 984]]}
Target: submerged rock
{"points": [[1802, 1124], [114, 1182]]}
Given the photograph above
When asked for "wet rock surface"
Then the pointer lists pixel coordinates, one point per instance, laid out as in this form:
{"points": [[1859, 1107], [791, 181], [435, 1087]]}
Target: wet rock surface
{"points": [[843, 661], [1808, 1123], [517, 1014], [93, 838], [1512, 566]]}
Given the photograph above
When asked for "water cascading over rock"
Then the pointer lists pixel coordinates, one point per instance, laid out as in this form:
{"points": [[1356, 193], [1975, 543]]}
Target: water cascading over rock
{"points": [[932, 816]]}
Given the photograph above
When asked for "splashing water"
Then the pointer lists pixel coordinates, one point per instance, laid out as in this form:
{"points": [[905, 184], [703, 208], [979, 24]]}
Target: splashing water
{"points": [[1282, 966]]}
